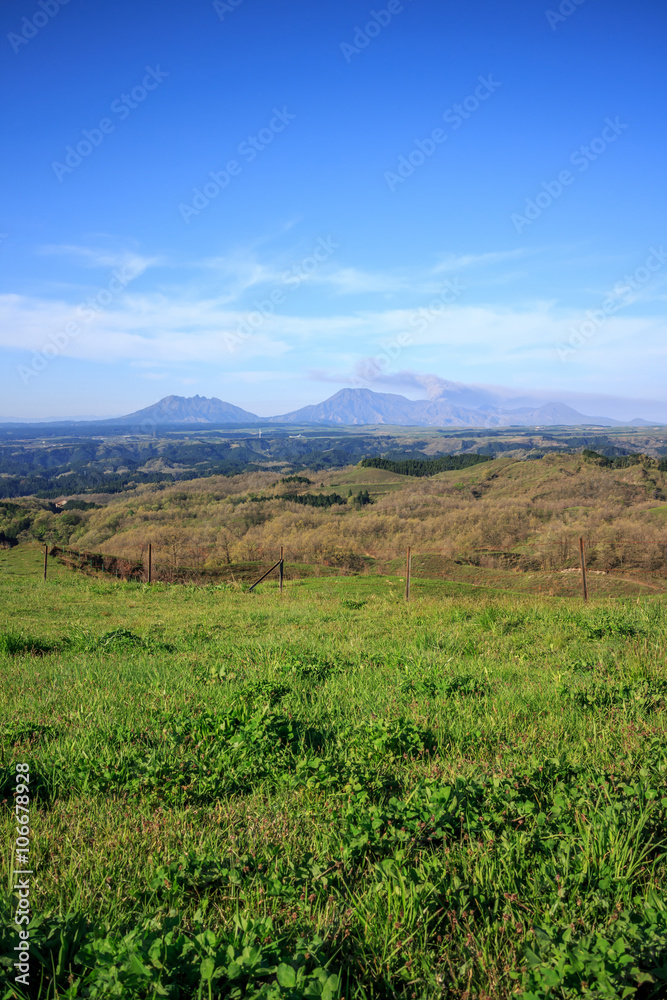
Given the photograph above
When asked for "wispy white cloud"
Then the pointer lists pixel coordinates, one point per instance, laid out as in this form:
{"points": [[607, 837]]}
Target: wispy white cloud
{"points": [[352, 281], [136, 328], [456, 262], [253, 377], [90, 257], [239, 272], [190, 322], [244, 270], [160, 328]]}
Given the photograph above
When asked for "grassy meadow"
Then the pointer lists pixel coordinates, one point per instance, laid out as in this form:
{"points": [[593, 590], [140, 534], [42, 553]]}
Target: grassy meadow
{"points": [[331, 793]]}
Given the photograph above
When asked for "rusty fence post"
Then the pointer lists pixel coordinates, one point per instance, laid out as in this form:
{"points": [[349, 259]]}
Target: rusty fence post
{"points": [[408, 567]]}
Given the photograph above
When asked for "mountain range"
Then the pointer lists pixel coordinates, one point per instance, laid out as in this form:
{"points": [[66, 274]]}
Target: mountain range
{"points": [[455, 406]]}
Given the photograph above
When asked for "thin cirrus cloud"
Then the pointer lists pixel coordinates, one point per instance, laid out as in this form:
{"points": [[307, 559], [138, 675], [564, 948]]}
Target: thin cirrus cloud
{"points": [[245, 271], [136, 327], [192, 319], [352, 281], [91, 257], [455, 262], [162, 327], [242, 270]]}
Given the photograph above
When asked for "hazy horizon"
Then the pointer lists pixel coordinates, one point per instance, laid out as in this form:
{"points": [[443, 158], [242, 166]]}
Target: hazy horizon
{"points": [[592, 406]]}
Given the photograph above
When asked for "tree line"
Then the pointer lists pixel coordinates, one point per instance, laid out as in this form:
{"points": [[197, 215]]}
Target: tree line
{"points": [[624, 461], [314, 499], [426, 466]]}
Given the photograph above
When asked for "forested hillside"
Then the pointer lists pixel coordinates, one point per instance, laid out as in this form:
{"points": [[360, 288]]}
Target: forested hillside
{"points": [[425, 467], [523, 514], [48, 464]]}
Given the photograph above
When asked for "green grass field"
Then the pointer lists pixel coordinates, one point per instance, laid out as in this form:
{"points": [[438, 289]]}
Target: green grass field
{"points": [[332, 793]]}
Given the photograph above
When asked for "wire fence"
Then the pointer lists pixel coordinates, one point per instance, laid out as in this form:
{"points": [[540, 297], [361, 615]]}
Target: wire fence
{"points": [[581, 556], [124, 569]]}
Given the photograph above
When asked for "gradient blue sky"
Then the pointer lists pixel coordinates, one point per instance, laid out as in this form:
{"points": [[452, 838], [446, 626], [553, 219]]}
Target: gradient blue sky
{"points": [[515, 310]]}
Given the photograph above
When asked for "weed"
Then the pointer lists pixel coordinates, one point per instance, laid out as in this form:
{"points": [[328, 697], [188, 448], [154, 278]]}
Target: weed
{"points": [[14, 644]]}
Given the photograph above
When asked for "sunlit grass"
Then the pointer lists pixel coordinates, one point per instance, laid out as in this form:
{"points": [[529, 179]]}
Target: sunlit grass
{"points": [[459, 797]]}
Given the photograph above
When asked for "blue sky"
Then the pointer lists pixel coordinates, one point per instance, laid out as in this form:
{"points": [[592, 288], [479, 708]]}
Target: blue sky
{"points": [[268, 202]]}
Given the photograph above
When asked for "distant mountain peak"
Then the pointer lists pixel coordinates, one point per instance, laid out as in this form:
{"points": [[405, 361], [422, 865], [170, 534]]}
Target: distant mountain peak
{"points": [[190, 410]]}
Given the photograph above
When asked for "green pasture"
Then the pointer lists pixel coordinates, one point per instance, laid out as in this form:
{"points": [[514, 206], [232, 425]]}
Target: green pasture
{"points": [[332, 793]]}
